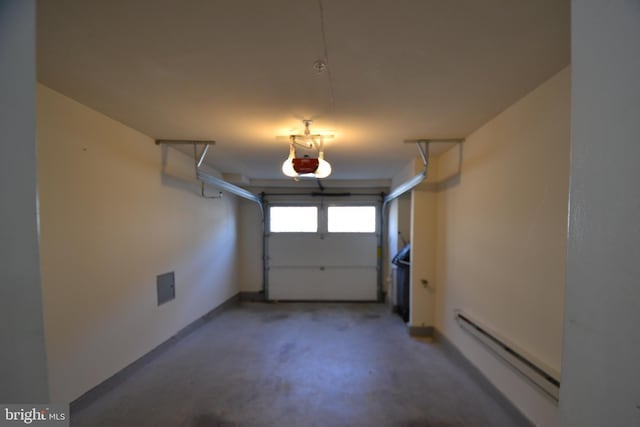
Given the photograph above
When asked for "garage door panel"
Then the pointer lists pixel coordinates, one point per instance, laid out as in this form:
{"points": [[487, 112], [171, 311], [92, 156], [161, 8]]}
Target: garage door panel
{"points": [[322, 265], [314, 284], [291, 250]]}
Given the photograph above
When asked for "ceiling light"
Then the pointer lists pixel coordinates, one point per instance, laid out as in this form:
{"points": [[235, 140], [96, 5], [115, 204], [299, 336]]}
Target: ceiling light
{"points": [[306, 166]]}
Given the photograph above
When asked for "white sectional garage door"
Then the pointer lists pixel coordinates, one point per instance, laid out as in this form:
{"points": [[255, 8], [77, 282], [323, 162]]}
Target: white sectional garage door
{"points": [[322, 265]]}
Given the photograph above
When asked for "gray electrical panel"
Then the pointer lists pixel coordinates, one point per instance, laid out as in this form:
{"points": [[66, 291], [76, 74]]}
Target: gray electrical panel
{"points": [[166, 284]]}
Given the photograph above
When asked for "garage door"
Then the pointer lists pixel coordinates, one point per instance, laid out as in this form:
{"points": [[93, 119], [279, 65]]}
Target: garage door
{"points": [[320, 253]]}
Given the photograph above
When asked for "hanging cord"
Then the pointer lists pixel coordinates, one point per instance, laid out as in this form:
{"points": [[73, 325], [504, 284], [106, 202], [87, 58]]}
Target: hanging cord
{"points": [[326, 56]]}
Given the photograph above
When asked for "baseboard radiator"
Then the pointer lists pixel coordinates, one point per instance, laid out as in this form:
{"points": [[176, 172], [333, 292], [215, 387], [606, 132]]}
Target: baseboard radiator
{"points": [[539, 376]]}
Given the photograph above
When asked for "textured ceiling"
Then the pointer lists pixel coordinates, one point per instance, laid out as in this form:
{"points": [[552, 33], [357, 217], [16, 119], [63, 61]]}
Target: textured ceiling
{"points": [[241, 72]]}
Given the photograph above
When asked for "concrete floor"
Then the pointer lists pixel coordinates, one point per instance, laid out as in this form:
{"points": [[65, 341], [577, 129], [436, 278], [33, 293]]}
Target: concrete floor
{"points": [[295, 364]]}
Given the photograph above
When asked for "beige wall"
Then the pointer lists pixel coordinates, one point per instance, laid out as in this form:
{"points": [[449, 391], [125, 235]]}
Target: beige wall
{"points": [[601, 371], [250, 247], [110, 222], [501, 237], [423, 246]]}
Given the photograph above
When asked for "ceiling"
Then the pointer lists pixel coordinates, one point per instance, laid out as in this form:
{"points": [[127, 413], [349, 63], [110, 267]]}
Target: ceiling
{"points": [[241, 72]]}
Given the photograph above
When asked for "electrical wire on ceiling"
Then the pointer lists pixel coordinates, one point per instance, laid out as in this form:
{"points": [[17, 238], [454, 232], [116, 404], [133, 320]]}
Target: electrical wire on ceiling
{"points": [[326, 56]]}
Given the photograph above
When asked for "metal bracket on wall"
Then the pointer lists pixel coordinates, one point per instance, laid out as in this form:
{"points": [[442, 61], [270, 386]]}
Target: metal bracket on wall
{"points": [[423, 149], [199, 156], [203, 194], [410, 184]]}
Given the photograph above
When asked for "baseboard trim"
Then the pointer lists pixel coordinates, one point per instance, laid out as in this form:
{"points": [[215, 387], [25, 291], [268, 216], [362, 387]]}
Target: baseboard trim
{"points": [[421, 331], [252, 296], [119, 377], [487, 386]]}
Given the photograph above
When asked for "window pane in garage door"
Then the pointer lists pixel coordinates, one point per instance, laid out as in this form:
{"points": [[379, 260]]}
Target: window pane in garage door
{"points": [[351, 219], [293, 219]]}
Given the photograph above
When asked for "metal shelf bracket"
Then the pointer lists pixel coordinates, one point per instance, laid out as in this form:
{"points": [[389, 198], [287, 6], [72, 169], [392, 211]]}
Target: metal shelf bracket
{"points": [[199, 156]]}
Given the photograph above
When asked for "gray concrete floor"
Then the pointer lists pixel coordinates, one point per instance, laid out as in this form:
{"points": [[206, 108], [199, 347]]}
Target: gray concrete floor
{"points": [[295, 364]]}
